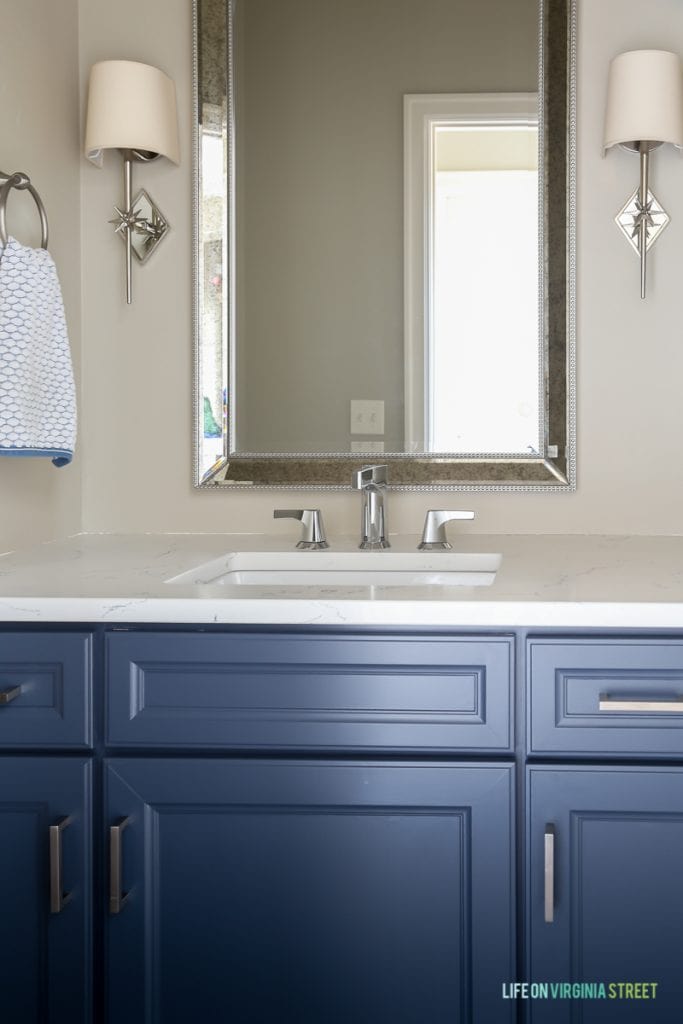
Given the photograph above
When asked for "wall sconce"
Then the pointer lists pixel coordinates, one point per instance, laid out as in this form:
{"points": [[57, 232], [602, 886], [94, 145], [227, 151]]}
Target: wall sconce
{"points": [[132, 108], [644, 110]]}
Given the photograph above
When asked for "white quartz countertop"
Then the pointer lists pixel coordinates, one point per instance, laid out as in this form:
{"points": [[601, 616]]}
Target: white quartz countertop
{"points": [[561, 581]]}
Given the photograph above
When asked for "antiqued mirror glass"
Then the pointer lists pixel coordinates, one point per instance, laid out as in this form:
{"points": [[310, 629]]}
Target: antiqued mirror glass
{"points": [[384, 266]]}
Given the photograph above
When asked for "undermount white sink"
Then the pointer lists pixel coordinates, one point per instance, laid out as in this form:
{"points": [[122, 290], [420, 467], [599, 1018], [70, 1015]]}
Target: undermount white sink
{"points": [[346, 569]]}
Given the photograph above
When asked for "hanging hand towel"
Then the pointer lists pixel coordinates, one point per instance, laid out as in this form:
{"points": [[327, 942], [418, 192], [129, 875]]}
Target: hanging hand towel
{"points": [[37, 392]]}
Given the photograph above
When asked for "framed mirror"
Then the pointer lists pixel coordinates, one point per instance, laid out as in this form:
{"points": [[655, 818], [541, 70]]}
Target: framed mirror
{"points": [[384, 243]]}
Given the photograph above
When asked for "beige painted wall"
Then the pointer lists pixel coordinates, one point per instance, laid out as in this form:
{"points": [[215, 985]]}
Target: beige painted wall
{"points": [[39, 135], [138, 360]]}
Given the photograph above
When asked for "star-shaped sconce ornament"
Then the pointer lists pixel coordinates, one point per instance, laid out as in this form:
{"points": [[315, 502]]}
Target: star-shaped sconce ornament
{"points": [[146, 223], [634, 213]]}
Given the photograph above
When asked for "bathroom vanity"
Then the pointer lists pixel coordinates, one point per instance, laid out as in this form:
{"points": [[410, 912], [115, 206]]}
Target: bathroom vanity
{"points": [[337, 821]]}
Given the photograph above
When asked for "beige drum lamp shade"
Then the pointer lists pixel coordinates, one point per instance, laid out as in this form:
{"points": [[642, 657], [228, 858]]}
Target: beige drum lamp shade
{"points": [[644, 99], [131, 106]]}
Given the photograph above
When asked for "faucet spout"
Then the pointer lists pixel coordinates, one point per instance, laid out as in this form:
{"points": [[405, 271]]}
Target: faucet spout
{"points": [[372, 481]]}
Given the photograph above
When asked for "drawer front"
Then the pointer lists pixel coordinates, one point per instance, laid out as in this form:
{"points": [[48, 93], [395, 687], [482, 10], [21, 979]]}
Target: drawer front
{"points": [[309, 691], [45, 689], [606, 697]]}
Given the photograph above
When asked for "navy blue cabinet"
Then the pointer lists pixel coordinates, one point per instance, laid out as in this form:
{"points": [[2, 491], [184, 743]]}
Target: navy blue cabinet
{"points": [[45, 689], [602, 697], [45, 868], [316, 691], [306, 892], [318, 826], [604, 900]]}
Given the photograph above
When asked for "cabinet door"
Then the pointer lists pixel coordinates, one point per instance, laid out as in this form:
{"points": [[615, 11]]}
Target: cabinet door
{"points": [[304, 893], [616, 902], [45, 966]]}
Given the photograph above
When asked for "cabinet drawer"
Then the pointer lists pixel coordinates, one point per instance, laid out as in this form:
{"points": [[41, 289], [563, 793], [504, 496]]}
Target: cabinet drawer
{"points": [[45, 686], [606, 697], [309, 691]]}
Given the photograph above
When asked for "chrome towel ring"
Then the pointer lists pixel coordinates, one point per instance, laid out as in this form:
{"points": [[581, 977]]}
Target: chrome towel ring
{"points": [[20, 181]]}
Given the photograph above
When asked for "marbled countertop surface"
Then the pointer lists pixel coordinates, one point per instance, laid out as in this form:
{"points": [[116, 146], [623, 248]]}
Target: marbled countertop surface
{"points": [[543, 581]]}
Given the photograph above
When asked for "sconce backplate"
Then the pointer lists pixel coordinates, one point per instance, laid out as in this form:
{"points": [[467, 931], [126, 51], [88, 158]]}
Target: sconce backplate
{"points": [[629, 219], [149, 226]]}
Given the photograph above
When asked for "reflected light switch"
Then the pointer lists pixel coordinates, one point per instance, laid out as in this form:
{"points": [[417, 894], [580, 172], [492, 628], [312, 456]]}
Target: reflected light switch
{"points": [[367, 416]]}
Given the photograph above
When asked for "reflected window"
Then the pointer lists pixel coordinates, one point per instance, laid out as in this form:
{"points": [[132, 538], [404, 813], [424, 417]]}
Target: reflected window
{"points": [[212, 275], [472, 274]]}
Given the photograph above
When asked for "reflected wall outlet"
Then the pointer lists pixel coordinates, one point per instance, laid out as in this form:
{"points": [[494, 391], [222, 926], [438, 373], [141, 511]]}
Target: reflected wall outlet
{"points": [[367, 416]]}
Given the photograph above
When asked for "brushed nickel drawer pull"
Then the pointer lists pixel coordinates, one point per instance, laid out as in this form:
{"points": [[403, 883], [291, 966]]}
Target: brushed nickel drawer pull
{"points": [[549, 874], [58, 898], [7, 696], [664, 706], [116, 897]]}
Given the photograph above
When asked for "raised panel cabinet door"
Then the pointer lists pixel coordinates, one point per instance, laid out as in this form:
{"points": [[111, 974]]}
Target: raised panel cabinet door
{"points": [[255, 892], [45, 873], [604, 899], [410, 692]]}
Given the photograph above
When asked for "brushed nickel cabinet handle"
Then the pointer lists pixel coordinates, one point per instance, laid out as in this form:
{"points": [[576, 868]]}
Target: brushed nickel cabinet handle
{"points": [[549, 874], [7, 696], [670, 706], [58, 898], [117, 898]]}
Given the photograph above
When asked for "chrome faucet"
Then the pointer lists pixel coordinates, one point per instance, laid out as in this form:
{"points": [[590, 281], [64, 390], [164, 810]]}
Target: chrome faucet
{"points": [[313, 534], [434, 533], [372, 481]]}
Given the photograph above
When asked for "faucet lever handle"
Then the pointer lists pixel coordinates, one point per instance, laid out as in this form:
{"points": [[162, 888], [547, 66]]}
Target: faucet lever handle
{"points": [[313, 536], [370, 475], [434, 532]]}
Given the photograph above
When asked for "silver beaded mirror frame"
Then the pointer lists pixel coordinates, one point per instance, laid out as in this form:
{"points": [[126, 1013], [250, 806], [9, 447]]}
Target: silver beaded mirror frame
{"points": [[551, 466]]}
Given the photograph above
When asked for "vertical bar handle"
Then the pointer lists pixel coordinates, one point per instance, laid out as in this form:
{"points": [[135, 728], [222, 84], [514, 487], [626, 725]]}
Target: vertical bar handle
{"points": [[7, 696], [117, 898], [58, 898], [549, 874]]}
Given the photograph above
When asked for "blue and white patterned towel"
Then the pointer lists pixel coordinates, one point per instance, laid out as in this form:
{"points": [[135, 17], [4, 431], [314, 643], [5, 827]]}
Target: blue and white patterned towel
{"points": [[37, 392]]}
